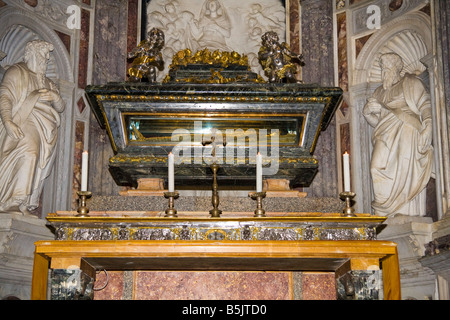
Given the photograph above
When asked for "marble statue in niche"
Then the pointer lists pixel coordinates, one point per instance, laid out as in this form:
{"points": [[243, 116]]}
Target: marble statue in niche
{"points": [[30, 107], [225, 25], [147, 57], [402, 157]]}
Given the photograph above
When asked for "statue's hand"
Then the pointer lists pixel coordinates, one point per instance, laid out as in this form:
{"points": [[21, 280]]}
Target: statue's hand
{"points": [[372, 107], [372, 111], [48, 95], [13, 130]]}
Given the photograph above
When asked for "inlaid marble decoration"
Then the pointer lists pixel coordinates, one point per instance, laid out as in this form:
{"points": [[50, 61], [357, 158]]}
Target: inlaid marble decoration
{"points": [[225, 25]]}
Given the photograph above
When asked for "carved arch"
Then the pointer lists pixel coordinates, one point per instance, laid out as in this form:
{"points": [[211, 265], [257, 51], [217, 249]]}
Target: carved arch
{"points": [[409, 36], [14, 16]]}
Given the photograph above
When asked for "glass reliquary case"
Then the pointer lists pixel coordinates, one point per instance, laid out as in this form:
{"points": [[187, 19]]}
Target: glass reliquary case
{"points": [[146, 121]]}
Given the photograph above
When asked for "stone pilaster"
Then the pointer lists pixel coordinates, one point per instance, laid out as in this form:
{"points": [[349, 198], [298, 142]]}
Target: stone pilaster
{"points": [[411, 234], [18, 234], [318, 52]]}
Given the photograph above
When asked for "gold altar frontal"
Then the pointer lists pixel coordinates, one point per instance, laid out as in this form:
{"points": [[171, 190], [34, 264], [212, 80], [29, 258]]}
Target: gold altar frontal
{"points": [[194, 241]]}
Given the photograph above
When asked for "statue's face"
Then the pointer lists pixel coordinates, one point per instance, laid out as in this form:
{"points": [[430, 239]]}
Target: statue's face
{"points": [[43, 58], [391, 67], [213, 6], [38, 60], [155, 37], [390, 76]]}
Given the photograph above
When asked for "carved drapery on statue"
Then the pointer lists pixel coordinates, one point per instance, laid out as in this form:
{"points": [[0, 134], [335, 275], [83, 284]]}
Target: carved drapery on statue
{"points": [[29, 109], [2, 71], [400, 112]]}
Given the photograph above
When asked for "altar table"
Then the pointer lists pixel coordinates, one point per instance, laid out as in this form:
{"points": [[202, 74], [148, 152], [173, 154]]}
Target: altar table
{"points": [[215, 255]]}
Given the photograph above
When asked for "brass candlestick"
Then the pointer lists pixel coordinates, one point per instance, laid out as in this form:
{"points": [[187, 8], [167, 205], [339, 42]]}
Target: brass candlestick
{"points": [[258, 196], [171, 212], [83, 210], [348, 211], [215, 212]]}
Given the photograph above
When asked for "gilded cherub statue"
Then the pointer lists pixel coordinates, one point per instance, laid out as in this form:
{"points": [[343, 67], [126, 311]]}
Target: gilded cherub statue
{"points": [[277, 60], [147, 57]]}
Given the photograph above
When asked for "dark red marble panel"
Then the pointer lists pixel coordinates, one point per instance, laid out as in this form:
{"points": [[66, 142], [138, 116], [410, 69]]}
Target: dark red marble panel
{"points": [[84, 49], [360, 42], [341, 21], [132, 34], [114, 286], [213, 285], [31, 3], [319, 286], [65, 38], [294, 27]]}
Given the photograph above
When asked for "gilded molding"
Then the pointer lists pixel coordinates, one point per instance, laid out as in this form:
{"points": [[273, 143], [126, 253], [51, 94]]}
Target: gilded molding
{"points": [[184, 98], [326, 227]]}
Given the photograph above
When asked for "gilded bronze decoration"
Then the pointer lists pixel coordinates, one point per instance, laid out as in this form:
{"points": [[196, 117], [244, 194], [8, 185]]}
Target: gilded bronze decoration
{"points": [[129, 227], [277, 60], [147, 57], [206, 67], [223, 59]]}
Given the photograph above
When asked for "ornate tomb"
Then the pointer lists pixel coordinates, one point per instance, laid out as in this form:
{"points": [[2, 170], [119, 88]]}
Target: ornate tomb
{"points": [[213, 94]]}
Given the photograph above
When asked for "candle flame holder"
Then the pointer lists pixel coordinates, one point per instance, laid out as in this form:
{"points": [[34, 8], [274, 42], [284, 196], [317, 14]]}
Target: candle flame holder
{"points": [[171, 212], [258, 196], [348, 211], [83, 210]]}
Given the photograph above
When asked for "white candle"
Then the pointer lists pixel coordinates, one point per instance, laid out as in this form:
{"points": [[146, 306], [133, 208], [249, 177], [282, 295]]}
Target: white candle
{"points": [[171, 173], [84, 171], [259, 173], [346, 164]]}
